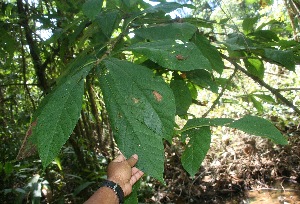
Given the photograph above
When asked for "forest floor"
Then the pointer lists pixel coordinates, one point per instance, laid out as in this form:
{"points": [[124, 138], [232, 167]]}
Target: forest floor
{"points": [[237, 169]]}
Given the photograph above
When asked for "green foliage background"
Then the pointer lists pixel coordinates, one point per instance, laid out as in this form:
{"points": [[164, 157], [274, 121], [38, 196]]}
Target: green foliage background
{"points": [[119, 72]]}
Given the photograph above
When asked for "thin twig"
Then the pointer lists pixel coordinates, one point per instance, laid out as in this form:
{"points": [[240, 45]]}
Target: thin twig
{"points": [[220, 94], [289, 89], [264, 84], [274, 189], [24, 72]]}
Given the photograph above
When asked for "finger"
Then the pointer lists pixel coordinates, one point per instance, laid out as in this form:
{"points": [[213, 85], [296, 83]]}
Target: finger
{"points": [[119, 158], [134, 178], [132, 160], [134, 170]]}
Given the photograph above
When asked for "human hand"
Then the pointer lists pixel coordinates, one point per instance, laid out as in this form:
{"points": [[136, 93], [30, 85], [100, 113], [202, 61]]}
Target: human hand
{"points": [[123, 172]]}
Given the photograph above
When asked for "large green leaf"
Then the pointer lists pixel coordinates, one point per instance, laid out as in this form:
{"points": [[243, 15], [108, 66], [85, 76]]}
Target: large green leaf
{"points": [[141, 109], [209, 51], [202, 122], [129, 3], [58, 113], [183, 98], [255, 67], [248, 24], [265, 36], [92, 8], [196, 149], [260, 127], [173, 54], [107, 22], [238, 41], [285, 58], [181, 31], [198, 134], [203, 79]]}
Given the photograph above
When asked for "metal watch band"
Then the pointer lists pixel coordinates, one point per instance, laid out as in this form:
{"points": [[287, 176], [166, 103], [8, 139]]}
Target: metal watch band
{"points": [[115, 187]]}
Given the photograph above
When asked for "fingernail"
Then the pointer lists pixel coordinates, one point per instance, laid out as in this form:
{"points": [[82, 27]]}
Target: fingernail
{"points": [[135, 156]]}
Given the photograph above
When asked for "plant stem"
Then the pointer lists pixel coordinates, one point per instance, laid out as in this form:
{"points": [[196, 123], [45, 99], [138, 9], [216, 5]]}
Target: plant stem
{"points": [[220, 95], [264, 84]]}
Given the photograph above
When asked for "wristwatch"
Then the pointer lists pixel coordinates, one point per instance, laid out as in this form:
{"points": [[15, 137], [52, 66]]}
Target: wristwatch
{"points": [[115, 187]]}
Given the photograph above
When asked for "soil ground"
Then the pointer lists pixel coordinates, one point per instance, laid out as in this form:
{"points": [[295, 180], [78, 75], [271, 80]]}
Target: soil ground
{"points": [[237, 169]]}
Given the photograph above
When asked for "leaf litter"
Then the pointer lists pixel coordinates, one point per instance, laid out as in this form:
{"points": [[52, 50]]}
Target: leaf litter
{"points": [[242, 169]]}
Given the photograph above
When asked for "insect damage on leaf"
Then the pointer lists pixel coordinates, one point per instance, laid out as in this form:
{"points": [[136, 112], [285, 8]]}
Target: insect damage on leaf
{"points": [[179, 57], [157, 96], [27, 149]]}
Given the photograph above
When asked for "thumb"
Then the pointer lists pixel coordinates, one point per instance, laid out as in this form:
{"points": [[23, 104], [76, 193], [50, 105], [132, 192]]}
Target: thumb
{"points": [[132, 160]]}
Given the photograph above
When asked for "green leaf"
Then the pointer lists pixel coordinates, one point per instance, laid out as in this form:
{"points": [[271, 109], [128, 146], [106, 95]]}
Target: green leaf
{"points": [[201, 122], [196, 149], [7, 42], [203, 79], [92, 8], [237, 41], [182, 31], [8, 168], [107, 22], [78, 29], [258, 126], [269, 23], [285, 44], [82, 187], [285, 58], [132, 198], [183, 98], [166, 7], [141, 109], [259, 107], [255, 67], [266, 98], [193, 90], [210, 52], [265, 36], [58, 113], [173, 54], [248, 24], [129, 3], [198, 134]]}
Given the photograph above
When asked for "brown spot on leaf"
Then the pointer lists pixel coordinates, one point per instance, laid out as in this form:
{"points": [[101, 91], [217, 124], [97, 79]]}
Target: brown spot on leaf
{"points": [[180, 57], [157, 96], [27, 149], [183, 75]]}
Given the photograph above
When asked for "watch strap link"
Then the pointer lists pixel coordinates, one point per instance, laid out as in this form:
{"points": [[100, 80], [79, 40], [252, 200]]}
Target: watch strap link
{"points": [[115, 187]]}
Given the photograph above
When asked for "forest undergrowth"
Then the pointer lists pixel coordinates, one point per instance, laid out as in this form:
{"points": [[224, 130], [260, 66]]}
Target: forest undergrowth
{"points": [[240, 168]]}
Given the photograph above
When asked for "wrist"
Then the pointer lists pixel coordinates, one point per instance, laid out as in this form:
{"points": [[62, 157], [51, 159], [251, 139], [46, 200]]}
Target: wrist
{"points": [[117, 181], [115, 187]]}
